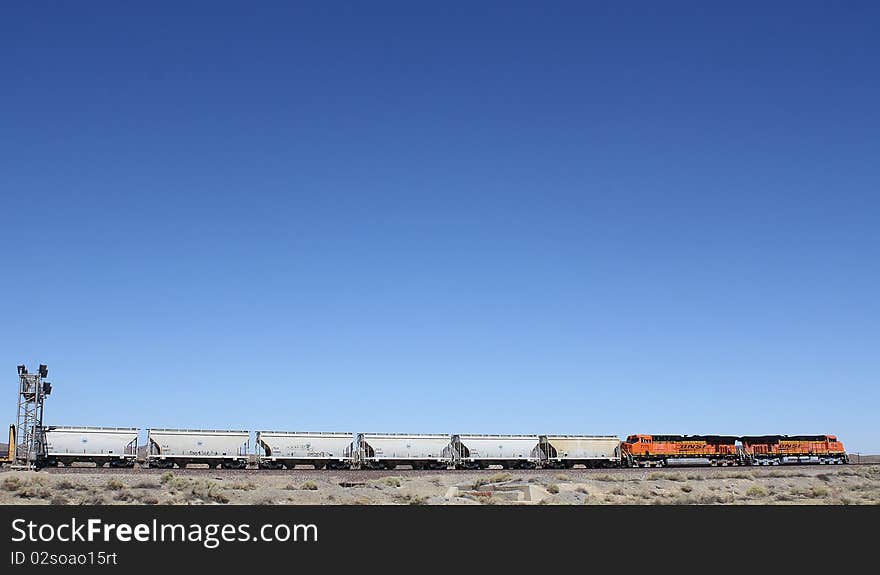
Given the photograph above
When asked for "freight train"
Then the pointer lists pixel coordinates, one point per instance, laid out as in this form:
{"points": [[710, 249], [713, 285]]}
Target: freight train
{"points": [[230, 449]]}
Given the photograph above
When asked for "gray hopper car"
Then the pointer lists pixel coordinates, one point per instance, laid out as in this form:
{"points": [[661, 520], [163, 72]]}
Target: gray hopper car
{"points": [[287, 449], [215, 448], [113, 446]]}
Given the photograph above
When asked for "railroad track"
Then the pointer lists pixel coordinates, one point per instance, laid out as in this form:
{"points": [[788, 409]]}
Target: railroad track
{"points": [[354, 474]]}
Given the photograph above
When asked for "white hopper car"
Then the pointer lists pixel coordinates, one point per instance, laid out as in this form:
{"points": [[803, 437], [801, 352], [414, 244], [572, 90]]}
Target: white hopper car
{"points": [[216, 448], [508, 451], [420, 450], [113, 446], [566, 451], [291, 448]]}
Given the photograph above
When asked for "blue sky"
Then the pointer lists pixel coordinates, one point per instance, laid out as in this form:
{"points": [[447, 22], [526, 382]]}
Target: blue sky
{"points": [[505, 217]]}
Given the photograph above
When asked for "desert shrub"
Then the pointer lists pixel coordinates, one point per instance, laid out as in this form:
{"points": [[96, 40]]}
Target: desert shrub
{"points": [[146, 484], [309, 486], [608, 477], [167, 477], [33, 489], [742, 475], [687, 488], [207, 491], [149, 499], [391, 481], [819, 491], [756, 491], [11, 483], [124, 495], [500, 477], [553, 488], [669, 476], [562, 477], [242, 486], [59, 500], [92, 499], [417, 500], [582, 489], [114, 485]]}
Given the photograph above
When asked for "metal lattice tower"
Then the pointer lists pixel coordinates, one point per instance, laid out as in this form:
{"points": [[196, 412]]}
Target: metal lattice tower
{"points": [[30, 441]]}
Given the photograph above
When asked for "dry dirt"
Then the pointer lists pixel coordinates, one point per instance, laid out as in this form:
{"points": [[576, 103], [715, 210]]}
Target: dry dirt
{"points": [[843, 485]]}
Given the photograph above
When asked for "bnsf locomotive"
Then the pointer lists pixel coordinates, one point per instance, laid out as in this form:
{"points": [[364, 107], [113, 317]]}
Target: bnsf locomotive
{"points": [[662, 450]]}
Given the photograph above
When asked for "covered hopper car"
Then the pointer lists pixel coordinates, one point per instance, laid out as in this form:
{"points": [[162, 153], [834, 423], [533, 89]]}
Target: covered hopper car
{"points": [[288, 449], [566, 451], [418, 450], [216, 448], [113, 446], [508, 451]]}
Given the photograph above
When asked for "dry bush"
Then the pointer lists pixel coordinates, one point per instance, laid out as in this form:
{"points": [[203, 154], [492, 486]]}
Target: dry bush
{"points": [[206, 490], [604, 477], [33, 488], [11, 483], [687, 488], [124, 495], [500, 477], [242, 486], [756, 491], [114, 485], [553, 488], [742, 475], [819, 491], [149, 499], [92, 498], [309, 486], [562, 477], [146, 484], [669, 476], [59, 500]]}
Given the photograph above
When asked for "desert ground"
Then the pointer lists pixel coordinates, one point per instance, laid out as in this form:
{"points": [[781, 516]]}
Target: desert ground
{"points": [[800, 485]]}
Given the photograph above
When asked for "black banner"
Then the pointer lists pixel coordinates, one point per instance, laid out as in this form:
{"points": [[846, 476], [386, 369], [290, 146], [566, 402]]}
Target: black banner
{"points": [[235, 537]]}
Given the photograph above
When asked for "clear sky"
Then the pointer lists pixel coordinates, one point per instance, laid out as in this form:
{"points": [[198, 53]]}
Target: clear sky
{"points": [[465, 217]]}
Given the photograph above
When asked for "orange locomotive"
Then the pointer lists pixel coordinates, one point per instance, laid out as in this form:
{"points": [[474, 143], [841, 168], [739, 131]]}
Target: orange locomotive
{"points": [[777, 449], [658, 450]]}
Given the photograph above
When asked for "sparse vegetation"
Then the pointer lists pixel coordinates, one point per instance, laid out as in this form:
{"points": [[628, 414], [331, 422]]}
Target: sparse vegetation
{"points": [[756, 491], [11, 483], [692, 486], [819, 491]]}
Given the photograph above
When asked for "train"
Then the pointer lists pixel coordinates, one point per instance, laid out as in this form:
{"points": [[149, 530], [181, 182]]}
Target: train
{"points": [[230, 449]]}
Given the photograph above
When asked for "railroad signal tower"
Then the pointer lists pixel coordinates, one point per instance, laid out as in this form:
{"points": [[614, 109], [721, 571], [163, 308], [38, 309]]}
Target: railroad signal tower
{"points": [[30, 441]]}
